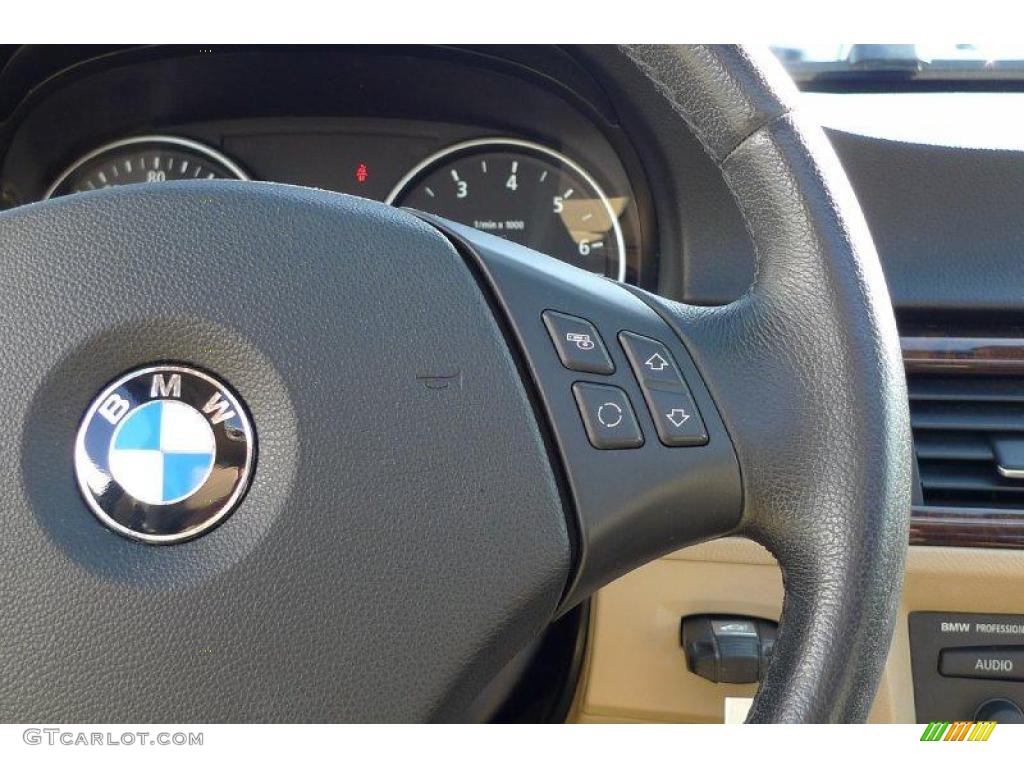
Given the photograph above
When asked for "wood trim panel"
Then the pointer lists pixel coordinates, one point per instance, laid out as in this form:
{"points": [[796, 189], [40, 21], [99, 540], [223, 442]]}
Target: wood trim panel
{"points": [[966, 527], [967, 355]]}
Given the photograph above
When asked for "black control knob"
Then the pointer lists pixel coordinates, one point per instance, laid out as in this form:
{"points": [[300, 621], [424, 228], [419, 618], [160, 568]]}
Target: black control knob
{"points": [[1000, 710], [727, 649]]}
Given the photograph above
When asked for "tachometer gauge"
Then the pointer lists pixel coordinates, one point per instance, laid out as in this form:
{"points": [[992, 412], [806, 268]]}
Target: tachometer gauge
{"points": [[144, 159], [525, 192]]}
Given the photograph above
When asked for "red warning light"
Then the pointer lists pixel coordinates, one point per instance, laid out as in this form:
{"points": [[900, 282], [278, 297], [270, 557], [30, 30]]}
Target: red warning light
{"points": [[362, 173]]}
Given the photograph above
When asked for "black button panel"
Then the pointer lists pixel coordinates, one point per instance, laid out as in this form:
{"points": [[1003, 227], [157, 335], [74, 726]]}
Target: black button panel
{"points": [[608, 416], [963, 663], [578, 343], [672, 407]]}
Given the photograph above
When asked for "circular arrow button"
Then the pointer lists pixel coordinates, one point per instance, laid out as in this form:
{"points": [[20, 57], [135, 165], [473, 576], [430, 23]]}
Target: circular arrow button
{"points": [[607, 415], [610, 415]]}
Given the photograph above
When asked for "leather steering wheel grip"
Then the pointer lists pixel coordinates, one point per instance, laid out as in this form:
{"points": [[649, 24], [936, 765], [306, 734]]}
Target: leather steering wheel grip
{"points": [[807, 373]]}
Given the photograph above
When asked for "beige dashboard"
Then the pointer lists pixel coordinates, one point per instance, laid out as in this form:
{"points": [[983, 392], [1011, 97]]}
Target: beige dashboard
{"points": [[635, 670]]}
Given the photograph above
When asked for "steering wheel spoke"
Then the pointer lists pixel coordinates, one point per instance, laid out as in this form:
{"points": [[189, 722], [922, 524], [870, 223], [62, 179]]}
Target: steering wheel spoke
{"points": [[648, 464]]}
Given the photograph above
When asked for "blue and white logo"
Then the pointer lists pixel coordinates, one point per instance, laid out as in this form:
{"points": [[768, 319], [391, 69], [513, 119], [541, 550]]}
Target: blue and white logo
{"points": [[164, 453]]}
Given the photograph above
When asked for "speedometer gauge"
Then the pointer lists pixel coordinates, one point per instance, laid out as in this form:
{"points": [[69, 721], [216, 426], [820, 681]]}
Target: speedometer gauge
{"points": [[144, 159], [524, 192]]}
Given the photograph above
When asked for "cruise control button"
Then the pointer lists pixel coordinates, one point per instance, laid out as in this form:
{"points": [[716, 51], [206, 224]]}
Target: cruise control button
{"points": [[676, 418], [578, 343], [607, 415]]}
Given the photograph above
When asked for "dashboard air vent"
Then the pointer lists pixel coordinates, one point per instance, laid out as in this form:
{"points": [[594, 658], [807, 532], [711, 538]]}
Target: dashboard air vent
{"points": [[969, 437]]}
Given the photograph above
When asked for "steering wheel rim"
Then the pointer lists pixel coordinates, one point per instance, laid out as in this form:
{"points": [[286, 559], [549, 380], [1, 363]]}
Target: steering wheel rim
{"points": [[505, 517], [822, 430]]}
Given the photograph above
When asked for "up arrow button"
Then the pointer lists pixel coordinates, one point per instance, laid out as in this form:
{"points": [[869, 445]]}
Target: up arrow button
{"points": [[656, 362], [651, 362]]}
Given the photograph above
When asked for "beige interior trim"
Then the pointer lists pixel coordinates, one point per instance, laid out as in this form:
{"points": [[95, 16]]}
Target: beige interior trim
{"points": [[635, 670]]}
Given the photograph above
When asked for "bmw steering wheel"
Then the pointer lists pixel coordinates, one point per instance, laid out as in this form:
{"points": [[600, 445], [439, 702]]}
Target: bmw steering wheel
{"points": [[282, 454]]}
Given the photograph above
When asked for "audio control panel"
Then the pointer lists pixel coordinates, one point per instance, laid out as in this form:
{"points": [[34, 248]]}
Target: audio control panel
{"points": [[967, 666]]}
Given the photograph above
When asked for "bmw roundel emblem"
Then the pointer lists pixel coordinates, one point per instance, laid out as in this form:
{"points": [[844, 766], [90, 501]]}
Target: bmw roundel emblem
{"points": [[164, 453]]}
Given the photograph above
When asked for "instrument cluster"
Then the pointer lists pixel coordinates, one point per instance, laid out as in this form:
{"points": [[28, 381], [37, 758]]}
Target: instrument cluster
{"points": [[436, 135], [509, 187]]}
